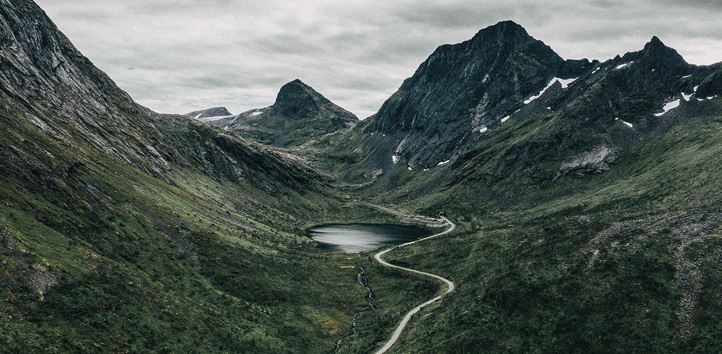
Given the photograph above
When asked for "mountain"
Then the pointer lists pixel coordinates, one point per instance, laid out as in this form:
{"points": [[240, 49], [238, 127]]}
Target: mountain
{"points": [[211, 112], [299, 115], [465, 88]]}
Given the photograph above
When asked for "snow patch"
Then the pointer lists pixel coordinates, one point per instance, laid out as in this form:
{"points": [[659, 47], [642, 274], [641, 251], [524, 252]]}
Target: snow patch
{"points": [[668, 107], [395, 159], [483, 130], [686, 96], [622, 66], [564, 82], [626, 123], [532, 98], [442, 163], [595, 70], [256, 113], [695, 88], [505, 119], [410, 169], [686, 76], [198, 116]]}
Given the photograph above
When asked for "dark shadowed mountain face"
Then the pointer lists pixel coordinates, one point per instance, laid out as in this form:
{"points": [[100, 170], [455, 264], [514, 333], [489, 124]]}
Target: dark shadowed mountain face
{"points": [[464, 88], [299, 115]]}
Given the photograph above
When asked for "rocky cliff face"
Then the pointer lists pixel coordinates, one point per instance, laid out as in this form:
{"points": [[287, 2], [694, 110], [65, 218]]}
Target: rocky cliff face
{"points": [[585, 129], [504, 106], [462, 90], [299, 115]]}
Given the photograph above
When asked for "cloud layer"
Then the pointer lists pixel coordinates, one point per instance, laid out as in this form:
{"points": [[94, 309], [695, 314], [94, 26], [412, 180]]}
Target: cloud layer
{"points": [[182, 55]]}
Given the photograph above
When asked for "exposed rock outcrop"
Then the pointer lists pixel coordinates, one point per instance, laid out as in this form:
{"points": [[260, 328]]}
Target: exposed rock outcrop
{"points": [[594, 161]]}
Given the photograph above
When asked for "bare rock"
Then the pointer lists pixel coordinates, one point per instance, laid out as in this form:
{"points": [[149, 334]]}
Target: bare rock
{"points": [[590, 162]]}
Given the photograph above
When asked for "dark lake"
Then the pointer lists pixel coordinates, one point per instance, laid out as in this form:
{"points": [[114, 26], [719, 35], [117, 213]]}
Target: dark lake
{"points": [[355, 238]]}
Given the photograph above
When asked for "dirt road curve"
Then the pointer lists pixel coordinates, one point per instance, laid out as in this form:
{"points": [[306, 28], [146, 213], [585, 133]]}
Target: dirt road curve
{"points": [[450, 285]]}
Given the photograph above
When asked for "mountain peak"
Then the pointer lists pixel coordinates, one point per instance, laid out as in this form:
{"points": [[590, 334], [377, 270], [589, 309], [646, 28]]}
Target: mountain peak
{"points": [[210, 112], [297, 100], [655, 45], [507, 26], [655, 41], [504, 31], [658, 52], [464, 88], [297, 83]]}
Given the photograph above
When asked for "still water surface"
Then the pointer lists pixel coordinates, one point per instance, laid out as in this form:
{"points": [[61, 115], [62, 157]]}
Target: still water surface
{"points": [[355, 238]]}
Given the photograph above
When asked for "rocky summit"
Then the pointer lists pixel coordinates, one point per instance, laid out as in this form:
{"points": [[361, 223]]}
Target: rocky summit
{"points": [[299, 115], [465, 88]]}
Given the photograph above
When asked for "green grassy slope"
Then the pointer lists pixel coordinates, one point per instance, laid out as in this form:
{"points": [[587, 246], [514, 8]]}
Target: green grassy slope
{"points": [[624, 261], [104, 256]]}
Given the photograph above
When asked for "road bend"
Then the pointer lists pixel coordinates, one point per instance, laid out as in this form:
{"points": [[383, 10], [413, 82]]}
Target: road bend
{"points": [[450, 285]]}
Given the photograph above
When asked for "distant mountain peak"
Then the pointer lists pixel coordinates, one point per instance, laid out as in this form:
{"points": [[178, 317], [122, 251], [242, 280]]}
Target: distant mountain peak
{"points": [[507, 27], [296, 100], [656, 53], [300, 114], [210, 112], [655, 41]]}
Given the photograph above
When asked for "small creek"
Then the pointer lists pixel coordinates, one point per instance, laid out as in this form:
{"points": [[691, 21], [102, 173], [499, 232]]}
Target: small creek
{"points": [[355, 238]]}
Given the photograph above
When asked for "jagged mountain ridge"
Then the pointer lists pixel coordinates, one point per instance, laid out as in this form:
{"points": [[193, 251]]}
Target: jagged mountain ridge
{"points": [[299, 115], [437, 113], [424, 125], [617, 105]]}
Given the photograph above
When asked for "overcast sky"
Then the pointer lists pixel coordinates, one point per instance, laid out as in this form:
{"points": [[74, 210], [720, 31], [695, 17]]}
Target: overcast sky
{"points": [[177, 56]]}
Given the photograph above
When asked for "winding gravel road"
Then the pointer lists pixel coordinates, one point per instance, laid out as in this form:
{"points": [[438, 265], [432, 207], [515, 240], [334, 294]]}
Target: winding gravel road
{"points": [[416, 309]]}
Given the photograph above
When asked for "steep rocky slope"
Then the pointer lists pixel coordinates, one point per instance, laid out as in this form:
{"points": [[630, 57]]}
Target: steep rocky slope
{"points": [[299, 115], [465, 88]]}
